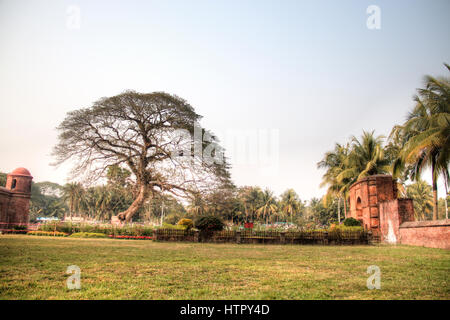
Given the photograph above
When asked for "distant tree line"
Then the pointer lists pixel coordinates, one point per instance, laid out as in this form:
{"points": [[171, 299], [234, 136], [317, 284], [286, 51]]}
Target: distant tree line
{"points": [[236, 205]]}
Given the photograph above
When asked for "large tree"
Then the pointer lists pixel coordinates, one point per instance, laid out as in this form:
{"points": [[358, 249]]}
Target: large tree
{"points": [[269, 205], [223, 203], [290, 203], [335, 162], [154, 135], [426, 134], [366, 158], [73, 194], [348, 163], [251, 199]]}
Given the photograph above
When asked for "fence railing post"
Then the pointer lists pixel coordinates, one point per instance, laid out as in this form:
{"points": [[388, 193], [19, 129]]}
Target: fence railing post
{"points": [[155, 235], [369, 237], [283, 237], [196, 236], [238, 236], [325, 237]]}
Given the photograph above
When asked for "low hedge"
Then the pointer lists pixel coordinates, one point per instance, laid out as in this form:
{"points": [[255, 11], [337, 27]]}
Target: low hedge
{"points": [[88, 235], [68, 227], [173, 226], [131, 237], [342, 227], [47, 233]]}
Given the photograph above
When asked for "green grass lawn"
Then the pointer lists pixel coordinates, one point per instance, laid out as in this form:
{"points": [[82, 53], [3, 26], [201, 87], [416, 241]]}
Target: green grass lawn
{"points": [[34, 268]]}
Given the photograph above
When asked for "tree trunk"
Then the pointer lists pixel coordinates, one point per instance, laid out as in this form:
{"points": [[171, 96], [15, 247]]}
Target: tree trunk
{"points": [[435, 203], [345, 207], [71, 210], [435, 195], [445, 199], [446, 195], [136, 205], [339, 210]]}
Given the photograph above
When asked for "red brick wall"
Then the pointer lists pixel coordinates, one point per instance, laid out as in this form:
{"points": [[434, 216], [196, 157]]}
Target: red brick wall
{"points": [[389, 221], [432, 234], [371, 190], [15, 203], [392, 214], [5, 197], [406, 210], [19, 208]]}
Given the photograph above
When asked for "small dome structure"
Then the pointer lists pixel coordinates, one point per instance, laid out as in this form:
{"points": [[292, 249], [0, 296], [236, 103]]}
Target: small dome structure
{"points": [[21, 172]]}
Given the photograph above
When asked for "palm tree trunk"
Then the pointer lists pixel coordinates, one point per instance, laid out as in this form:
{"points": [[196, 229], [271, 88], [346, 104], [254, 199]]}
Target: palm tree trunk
{"points": [[339, 210], [445, 198], [71, 209], [345, 207], [435, 195], [446, 208]]}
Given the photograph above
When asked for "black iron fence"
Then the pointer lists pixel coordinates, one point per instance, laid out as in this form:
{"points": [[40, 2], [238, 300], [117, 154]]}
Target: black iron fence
{"points": [[334, 237]]}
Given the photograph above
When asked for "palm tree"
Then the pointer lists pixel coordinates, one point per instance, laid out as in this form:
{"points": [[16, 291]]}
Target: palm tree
{"points": [[366, 158], [251, 199], [290, 203], [335, 163], [103, 203], [421, 193], [268, 206], [426, 134], [73, 194]]}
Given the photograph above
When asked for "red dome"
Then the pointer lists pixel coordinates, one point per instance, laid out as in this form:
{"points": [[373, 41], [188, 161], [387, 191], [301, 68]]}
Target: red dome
{"points": [[21, 172]]}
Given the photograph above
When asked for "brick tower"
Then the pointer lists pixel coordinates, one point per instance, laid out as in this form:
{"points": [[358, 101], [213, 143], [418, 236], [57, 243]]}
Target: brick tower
{"points": [[374, 202], [15, 198]]}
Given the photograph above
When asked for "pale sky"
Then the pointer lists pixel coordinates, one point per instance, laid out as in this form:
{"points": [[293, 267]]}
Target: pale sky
{"points": [[311, 73]]}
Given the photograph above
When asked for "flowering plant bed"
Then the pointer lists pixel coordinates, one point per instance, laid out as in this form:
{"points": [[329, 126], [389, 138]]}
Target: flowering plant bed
{"points": [[130, 237]]}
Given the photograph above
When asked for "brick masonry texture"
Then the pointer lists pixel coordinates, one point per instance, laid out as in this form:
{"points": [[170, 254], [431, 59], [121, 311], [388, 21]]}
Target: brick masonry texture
{"points": [[365, 196], [15, 198], [374, 202], [433, 234]]}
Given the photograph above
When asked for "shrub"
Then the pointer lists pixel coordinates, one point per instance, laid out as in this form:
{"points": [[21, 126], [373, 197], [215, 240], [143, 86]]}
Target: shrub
{"points": [[351, 222], [187, 223], [19, 227], [59, 226], [171, 226], [172, 218], [47, 233], [88, 235], [346, 228], [209, 224]]}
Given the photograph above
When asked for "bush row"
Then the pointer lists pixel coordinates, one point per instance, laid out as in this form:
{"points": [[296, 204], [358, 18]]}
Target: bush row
{"points": [[85, 235], [88, 235], [47, 233], [204, 224], [70, 228], [131, 237]]}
